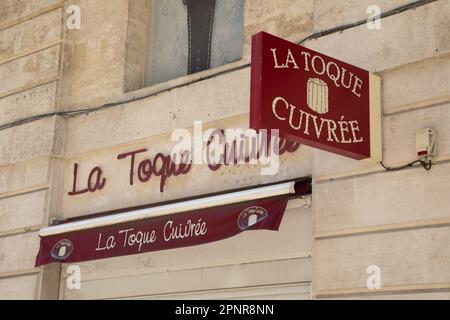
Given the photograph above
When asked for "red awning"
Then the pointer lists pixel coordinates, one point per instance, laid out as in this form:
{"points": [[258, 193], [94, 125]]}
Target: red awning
{"points": [[165, 227]]}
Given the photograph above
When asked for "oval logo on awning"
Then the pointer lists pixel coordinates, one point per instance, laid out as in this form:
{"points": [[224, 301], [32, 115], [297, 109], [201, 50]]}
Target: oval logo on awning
{"points": [[251, 216], [62, 249]]}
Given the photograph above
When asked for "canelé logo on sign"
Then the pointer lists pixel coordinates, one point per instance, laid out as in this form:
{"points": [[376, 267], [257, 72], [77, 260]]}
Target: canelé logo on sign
{"points": [[314, 99], [62, 249], [251, 216]]}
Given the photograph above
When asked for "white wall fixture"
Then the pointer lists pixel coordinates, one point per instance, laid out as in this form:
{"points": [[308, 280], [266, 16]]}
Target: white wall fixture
{"points": [[426, 144]]}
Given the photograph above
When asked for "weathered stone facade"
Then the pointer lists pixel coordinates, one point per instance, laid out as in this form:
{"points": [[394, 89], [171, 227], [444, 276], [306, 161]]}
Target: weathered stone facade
{"points": [[361, 215]]}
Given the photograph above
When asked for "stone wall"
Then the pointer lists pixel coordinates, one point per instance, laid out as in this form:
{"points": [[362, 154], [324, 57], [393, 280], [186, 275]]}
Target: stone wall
{"points": [[362, 215], [31, 47], [397, 220]]}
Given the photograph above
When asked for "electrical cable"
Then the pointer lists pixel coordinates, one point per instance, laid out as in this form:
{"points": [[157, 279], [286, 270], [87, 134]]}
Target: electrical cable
{"points": [[73, 113], [386, 14], [426, 164]]}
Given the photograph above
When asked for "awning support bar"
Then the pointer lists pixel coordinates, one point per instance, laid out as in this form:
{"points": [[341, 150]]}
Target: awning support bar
{"points": [[184, 206]]}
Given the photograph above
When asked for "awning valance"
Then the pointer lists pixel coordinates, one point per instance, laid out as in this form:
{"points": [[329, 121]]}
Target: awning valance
{"points": [[181, 224]]}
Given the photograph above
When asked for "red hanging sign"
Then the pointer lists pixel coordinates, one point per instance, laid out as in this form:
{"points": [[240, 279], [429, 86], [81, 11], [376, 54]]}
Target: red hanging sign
{"points": [[314, 99], [164, 232]]}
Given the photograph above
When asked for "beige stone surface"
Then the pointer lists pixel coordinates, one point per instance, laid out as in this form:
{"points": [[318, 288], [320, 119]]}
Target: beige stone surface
{"points": [[400, 131], [413, 257], [28, 141], [296, 291], [329, 14], [117, 192], [97, 55], [399, 144], [290, 19], [24, 37], [401, 39], [422, 82], [35, 101], [402, 196], [18, 288], [21, 211], [373, 200], [136, 44], [18, 252], [12, 11], [205, 101], [241, 275], [33, 70], [23, 175], [402, 296], [410, 53], [29, 57]]}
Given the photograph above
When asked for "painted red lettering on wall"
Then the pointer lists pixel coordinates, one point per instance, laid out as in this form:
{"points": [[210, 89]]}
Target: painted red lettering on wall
{"points": [[163, 166], [92, 184]]}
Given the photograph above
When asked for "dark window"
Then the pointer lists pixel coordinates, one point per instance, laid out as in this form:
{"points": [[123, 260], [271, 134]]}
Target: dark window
{"points": [[187, 36]]}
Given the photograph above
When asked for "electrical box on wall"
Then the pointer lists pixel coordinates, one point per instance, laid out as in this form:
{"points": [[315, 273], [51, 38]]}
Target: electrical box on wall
{"points": [[426, 144]]}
